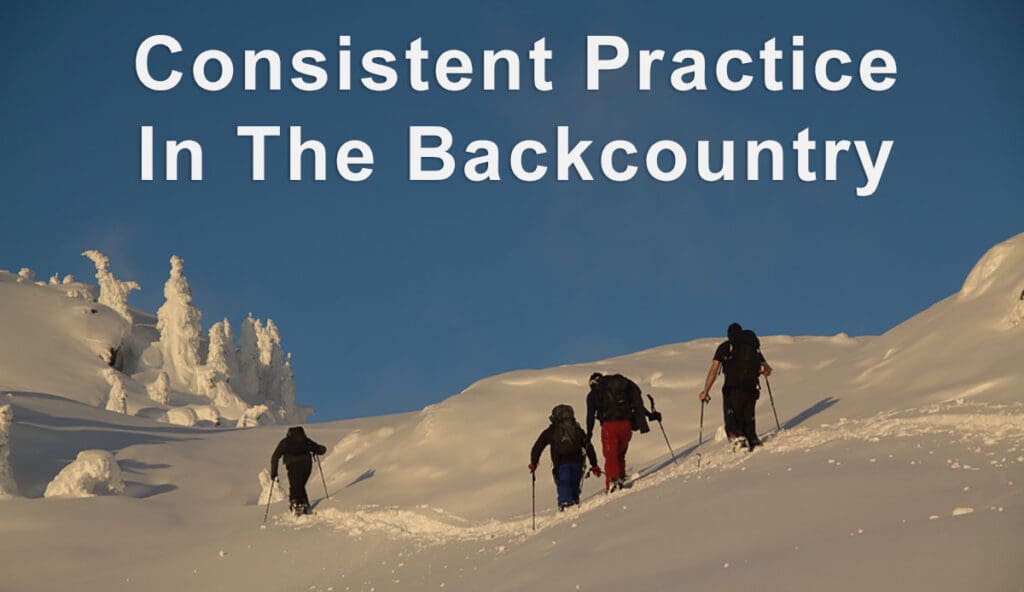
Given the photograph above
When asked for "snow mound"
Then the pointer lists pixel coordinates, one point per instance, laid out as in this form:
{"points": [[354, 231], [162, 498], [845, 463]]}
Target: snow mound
{"points": [[91, 471]]}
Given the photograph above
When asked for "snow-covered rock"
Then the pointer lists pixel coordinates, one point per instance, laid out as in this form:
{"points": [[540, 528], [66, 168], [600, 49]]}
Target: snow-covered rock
{"points": [[251, 417], [182, 416], [8, 488], [92, 472]]}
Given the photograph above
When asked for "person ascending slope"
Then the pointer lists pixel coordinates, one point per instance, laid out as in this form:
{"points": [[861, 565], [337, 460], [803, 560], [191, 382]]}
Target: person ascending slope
{"points": [[617, 403], [741, 359], [568, 444], [296, 449]]}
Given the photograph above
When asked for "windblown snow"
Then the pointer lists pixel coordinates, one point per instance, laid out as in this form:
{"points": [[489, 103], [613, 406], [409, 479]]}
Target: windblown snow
{"points": [[898, 463]]}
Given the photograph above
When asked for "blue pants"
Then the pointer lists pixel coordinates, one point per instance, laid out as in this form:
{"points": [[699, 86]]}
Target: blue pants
{"points": [[567, 481]]}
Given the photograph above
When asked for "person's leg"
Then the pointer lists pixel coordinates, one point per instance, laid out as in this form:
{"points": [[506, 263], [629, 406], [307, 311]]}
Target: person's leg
{"points": [[625, 435], [298, 474], [296, 484], [608, 448], [748, 417], [567, 481], [732, 427]]}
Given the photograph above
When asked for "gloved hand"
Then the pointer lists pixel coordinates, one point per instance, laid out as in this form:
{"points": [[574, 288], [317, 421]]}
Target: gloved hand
{"points": [[532, 468], [655, 415], [596, 471], [273, 476]]}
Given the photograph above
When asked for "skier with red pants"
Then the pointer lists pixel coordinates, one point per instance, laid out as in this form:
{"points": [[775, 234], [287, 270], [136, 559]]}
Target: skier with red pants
{"points": [[616, 402], [297, 451]]}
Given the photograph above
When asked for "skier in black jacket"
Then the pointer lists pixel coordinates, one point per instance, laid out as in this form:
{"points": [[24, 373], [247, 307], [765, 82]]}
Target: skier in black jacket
{"points": [[296, 449], [741, 359], [568, 444], [616, 402]]}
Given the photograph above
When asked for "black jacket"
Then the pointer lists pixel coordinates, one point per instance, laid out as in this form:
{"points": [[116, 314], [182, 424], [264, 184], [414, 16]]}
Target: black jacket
{"points": [[295, 448], [547, 437], [634, 409]]}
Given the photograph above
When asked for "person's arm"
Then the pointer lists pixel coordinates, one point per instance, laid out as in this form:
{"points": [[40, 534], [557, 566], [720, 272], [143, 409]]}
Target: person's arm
{"points": [[765, 368], [274, 458], [591, 411], [538, 447], [316, 448], [591, 455], [710, 380]]}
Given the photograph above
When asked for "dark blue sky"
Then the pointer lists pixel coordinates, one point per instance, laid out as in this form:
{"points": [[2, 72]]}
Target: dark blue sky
{"points": [[393, 294]]}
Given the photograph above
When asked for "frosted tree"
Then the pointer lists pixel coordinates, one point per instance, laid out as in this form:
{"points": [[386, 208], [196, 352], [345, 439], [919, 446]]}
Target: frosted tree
{"points": [[26, 276], [222, 359], [8, 488], [178, 323], [271, 362], [117, 400], [160, 389], [68, 279], [248, 383], [113, 292]]}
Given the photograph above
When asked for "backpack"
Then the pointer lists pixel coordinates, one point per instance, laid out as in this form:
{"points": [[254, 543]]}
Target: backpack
{"points": [[567, 436], [296, 443], [616, 397], [743, 364]]}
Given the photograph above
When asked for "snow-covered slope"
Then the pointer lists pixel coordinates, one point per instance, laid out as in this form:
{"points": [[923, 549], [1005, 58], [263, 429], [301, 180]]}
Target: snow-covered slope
{"points": [[899, 467]]}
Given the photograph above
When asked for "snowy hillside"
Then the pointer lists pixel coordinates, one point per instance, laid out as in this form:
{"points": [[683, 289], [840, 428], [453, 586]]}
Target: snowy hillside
{"points": [[899, 468]]}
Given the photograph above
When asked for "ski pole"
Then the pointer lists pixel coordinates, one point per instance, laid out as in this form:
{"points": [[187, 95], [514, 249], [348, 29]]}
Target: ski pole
{"points": [[321, 467], [533, 477], [772, 399], [700, 436], [660, 425], [270, 496]]}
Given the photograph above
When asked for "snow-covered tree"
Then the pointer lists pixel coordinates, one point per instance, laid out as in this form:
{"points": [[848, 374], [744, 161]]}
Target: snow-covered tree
{"points": [[8, 488], [68, 279], [113, 292], [160, 389], [117, 400], [271, 361], [248, 383], [26, 276], [222, 359], [178, 323]]}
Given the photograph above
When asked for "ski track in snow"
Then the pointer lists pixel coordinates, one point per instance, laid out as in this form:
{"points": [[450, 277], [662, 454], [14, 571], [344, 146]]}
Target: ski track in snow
{"points": [[977, 424]]}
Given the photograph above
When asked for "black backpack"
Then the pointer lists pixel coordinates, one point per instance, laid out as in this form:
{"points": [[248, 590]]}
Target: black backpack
{"points": [[743, 364], [296, 443], [616, 397], [567, 435]]}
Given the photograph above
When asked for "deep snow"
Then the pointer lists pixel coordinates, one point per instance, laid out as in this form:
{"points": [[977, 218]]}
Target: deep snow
{"points": [[899, 468]]}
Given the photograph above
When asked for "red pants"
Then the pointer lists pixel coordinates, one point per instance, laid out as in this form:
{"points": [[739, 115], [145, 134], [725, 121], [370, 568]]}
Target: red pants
{"points": [[615, 437]]}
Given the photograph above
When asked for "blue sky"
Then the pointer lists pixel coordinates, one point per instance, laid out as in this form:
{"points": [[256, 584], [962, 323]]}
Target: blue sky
{"points": [[393, 294]]}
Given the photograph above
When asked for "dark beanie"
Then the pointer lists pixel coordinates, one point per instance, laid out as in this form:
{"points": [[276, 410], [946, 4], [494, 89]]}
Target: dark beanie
{"points": [[734, 330]]}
